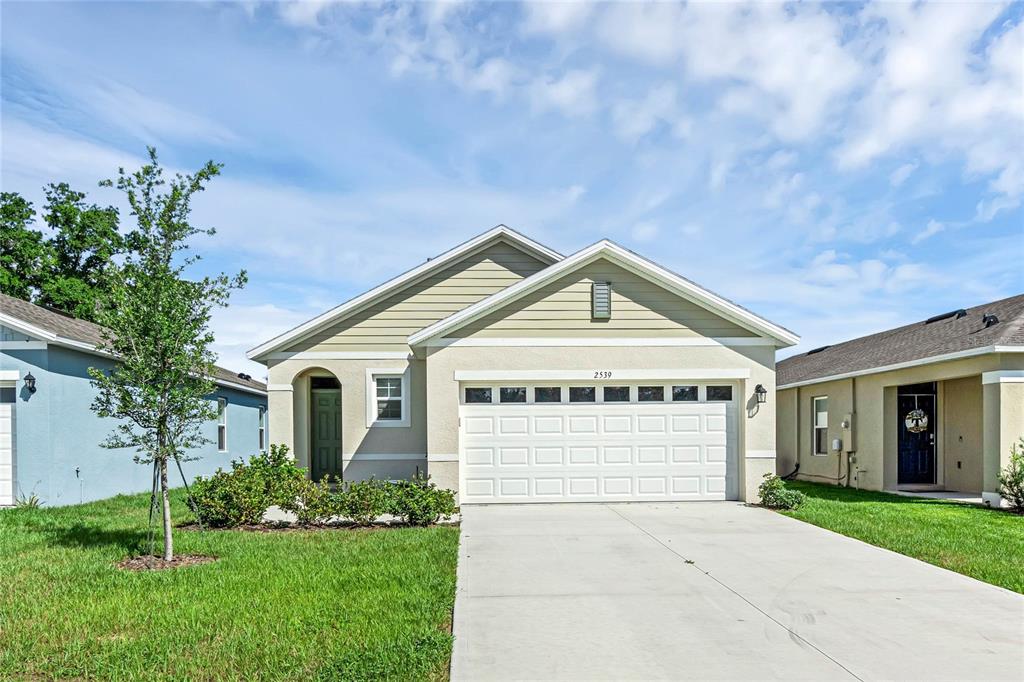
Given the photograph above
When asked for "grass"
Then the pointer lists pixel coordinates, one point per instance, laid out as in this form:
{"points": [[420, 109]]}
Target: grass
{"points": [[333, 604], [983, 543]]}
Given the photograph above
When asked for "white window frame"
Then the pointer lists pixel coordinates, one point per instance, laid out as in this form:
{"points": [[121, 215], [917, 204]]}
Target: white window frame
{"points": [[222, 423], [815, 426], [262, 428], [371, 397]]}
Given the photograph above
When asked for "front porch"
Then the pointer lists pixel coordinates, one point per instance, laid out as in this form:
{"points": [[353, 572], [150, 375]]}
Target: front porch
{"points": [[939, 493]]}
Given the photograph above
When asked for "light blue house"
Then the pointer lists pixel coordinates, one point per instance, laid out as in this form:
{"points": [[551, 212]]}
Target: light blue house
{"points": [[50, 438]]}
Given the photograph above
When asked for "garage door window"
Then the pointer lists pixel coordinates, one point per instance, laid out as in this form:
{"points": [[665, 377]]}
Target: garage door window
{"points": [[478, 395], [515, 394], [582, 394], [650, 394], [719, 393], [616, 394], [684, 394], [547, 394]]}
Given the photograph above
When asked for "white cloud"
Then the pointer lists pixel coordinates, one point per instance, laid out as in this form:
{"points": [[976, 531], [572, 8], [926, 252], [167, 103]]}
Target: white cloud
{"points": [[634, 119], [645, 231], [930, 230], [900, 175], [543, 16], [304, 13], [573, 94]]}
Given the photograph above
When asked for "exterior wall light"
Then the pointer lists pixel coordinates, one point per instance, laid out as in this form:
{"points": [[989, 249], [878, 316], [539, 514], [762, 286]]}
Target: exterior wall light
{"points": [[761, 393], [30, 382]]}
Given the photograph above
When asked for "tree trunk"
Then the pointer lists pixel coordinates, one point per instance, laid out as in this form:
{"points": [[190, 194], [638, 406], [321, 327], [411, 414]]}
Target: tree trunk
{"points": [[168, 539]]}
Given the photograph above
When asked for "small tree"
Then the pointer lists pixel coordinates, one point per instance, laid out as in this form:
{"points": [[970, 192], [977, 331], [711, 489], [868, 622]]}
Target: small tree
{"points": [[23, 251], [157, 326], [1011, 479]]}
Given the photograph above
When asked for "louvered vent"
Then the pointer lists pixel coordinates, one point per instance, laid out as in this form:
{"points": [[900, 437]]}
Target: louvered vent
{"points": [[601, 299]]}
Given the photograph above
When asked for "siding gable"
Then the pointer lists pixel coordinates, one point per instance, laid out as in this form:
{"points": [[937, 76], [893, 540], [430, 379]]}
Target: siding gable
{"points": [[640, 308], [386, 324]]}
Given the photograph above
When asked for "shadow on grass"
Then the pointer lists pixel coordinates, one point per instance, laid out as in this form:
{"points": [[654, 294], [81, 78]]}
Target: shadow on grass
{"points": [[83, 536], [841, 494]]}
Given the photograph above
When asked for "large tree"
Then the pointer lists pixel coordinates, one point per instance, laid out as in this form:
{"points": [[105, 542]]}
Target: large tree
{"points": [[157, 323], [82, 250], [23, 251]]}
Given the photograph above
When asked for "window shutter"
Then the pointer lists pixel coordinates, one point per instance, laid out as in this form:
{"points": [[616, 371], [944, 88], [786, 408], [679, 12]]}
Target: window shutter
{"points": [[601, 297]]}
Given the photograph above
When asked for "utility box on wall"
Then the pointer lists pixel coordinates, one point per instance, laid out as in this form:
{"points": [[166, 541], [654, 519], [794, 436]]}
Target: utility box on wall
{"points": [[847, 427]]}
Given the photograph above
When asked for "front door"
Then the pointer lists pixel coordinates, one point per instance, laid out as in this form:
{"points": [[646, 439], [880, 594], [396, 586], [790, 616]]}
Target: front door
{"points": [[916, 424], [326, 441]]}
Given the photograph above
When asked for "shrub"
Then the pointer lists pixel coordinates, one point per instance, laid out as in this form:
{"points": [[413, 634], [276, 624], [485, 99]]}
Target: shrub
{"points": [[313, 503], [420, 502], [242, 495], [364, 501], [775, 495], [31, 501], [1011, 479]]}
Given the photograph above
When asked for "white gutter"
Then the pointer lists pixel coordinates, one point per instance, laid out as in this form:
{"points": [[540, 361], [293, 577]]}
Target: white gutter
{"points": [[973, 352]]}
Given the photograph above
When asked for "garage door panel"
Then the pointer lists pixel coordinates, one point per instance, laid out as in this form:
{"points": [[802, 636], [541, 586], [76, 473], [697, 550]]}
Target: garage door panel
{"points": [[623, 451]]}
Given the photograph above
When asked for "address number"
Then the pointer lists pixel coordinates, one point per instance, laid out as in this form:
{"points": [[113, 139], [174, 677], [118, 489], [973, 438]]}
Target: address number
{"points": [[603, 375]]}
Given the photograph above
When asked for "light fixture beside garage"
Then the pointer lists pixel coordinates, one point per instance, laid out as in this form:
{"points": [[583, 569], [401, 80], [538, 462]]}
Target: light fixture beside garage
{"points": [[601, 300], [761, 393], [30, 382]]}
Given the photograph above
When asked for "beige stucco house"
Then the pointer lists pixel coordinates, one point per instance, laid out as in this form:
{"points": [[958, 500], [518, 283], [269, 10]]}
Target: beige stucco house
{"points": [[931, 406], [513, 374]]}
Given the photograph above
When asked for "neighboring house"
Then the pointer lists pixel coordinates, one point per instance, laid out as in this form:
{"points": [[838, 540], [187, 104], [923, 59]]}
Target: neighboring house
{"points": [[935, 405], [513, 374], [50, 438]]}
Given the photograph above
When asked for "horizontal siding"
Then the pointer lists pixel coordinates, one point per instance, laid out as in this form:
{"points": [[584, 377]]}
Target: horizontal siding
{"points": [[386, 325], [639, 309]]}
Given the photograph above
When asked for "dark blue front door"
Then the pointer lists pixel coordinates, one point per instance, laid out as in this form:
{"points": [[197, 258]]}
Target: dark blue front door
{"points": [[916, 424]]}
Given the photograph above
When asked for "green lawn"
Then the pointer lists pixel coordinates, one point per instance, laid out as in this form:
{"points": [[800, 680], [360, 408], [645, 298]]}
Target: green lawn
{"points": [[983, 543], [334, 604]]}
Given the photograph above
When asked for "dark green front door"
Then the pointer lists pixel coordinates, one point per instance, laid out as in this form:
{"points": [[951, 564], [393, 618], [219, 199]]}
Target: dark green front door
{"points": [[326, 434]]}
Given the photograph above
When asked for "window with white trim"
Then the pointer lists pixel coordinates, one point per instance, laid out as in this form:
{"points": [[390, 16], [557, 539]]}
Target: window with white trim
{"points": [[263, 429], [389, 399], [222, 424], [819, 424]]}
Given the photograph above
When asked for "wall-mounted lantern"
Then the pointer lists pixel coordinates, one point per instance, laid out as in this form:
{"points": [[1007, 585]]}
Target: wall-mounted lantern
{"points": [[30, 382], [761, 393]]}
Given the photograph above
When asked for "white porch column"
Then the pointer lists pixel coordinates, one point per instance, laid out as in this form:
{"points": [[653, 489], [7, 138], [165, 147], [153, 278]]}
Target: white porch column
{"points": [[280, 418], [1003, 425]]}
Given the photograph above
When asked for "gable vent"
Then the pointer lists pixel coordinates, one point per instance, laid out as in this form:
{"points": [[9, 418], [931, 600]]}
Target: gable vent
{"points": [[601, 300]]}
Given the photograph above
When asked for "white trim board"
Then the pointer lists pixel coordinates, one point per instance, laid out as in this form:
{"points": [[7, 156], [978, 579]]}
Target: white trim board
{"points": [[760, 454], [612, 375], [56, 340], [958, 355], [383, 457], [538, 341], [630, 261], [10, 375], [1003, 376], [443, 458], [393, 285], [22, 345], [341, 355]]}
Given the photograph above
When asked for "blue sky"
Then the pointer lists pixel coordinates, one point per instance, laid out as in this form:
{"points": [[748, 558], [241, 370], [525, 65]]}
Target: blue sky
{"points": [[839, 169]]}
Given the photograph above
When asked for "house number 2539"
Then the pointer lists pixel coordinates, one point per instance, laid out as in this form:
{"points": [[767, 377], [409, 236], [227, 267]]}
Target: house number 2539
{"points": [[603, 374]]}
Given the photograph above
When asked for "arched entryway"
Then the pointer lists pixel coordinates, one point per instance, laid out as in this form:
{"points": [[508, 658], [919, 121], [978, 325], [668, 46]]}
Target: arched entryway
{"points": [[317, 400]]}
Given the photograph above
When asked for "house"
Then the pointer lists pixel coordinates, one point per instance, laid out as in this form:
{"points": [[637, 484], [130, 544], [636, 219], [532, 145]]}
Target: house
{"points": [[511, 373], [932, 406], [50, 438]]}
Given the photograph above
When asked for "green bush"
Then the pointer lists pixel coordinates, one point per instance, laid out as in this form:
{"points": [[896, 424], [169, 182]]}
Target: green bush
{"points": [[363, 502], [1011, 479], [419, 502], [775, 495], [313, 503], [241, 495]]}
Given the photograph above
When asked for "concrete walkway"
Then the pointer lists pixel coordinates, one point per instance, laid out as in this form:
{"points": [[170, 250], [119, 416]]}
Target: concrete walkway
{"points": [[712, 591]]}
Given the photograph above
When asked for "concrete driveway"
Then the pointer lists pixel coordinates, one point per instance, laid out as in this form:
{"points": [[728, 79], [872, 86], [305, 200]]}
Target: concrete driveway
{"points": [[712, 591]]}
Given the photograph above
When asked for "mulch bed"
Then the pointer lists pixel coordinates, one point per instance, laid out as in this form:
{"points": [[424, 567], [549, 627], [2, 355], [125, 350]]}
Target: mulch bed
{"points": [[284, 527], [155, 563]]}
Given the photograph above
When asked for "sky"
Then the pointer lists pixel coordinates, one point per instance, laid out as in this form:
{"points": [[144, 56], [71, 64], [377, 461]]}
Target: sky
{"points": [[837, 168]]}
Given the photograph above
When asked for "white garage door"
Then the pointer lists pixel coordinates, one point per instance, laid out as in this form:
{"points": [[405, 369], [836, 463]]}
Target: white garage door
{"points": [[598, 443], [7, 397]]}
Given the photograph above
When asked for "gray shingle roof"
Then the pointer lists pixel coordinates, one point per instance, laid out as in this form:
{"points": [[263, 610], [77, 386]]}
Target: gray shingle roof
{"points": [[83, 331], [913, 342]]}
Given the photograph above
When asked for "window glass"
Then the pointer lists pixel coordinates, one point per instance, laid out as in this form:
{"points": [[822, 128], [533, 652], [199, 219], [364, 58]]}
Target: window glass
{"points": [[820, 425], [222, 424], [547, 394], [7, 394], [389, 398], [582, 394], [719, 392], [650, 394], [512, 394], [263, 428], [478, 395], [687, 394], [616, 394], [323, 382]]}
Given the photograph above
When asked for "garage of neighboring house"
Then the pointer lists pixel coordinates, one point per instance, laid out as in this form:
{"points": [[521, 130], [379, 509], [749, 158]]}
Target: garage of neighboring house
{"points": [[653, 439]]}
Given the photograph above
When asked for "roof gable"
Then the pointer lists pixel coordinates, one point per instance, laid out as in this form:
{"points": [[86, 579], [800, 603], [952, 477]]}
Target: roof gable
{"points": [[407, 279], [628, 260], [912, 343]]}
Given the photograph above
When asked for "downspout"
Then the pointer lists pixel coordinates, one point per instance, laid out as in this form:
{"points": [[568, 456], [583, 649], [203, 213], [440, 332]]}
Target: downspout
{"points": [[853, 426]]}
